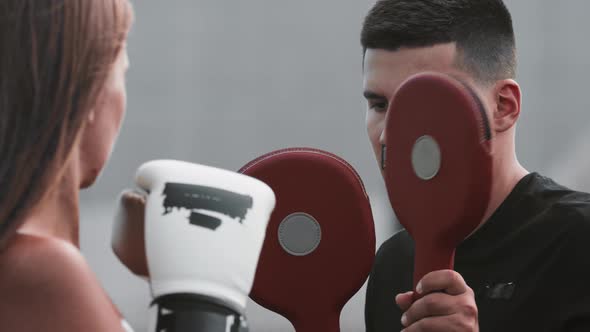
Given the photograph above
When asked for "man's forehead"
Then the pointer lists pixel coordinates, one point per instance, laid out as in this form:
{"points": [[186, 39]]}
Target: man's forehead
{"points": [[437, 55], [384, 70]]}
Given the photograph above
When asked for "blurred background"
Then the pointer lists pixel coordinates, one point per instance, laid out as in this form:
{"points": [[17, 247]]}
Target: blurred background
{"points": [[222, 82]]}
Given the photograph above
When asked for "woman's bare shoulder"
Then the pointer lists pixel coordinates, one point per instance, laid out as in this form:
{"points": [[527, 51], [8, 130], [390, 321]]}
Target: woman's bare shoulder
{"points": [[47, 285]]}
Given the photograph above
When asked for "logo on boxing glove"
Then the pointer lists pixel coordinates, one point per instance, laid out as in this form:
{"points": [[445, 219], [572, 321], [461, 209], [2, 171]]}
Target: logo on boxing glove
{"points": [[196, 197]]}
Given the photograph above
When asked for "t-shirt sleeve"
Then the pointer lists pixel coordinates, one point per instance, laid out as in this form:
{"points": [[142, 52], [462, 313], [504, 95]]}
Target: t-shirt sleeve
{"points": [[574, 278], [390, 275], [368, 303]]}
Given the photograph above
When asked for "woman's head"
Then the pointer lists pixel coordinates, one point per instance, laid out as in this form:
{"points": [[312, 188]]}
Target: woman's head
{"points": [[62, 65]]}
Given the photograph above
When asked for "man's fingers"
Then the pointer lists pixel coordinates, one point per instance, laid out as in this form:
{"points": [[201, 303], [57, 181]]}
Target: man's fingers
{"points": [[435, 304], [404, 300], [448, 304], [448, 323], [429, 324], [447, 281]]}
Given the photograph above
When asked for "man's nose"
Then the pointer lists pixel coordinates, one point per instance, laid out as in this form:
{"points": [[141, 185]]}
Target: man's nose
{"points": [[382, 137]]}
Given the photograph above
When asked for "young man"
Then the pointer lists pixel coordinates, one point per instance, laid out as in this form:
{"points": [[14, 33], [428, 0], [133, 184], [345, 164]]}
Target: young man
{"points": [[526, 268]]}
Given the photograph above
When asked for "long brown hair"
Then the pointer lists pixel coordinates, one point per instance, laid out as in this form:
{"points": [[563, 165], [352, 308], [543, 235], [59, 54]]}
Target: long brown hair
{"points": [[55, 56]]}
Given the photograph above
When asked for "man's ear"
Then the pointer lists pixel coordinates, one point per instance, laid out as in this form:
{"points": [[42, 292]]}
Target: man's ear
{"points": [[507, 96]]}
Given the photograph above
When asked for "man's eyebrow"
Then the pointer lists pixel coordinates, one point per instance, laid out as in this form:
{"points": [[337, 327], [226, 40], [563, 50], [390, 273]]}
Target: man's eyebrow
{"points": [[373, 95]]}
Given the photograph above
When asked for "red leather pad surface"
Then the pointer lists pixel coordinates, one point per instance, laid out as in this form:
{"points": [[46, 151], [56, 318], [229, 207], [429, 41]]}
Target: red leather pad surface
{"points": [[441, 212], [311, 290]]}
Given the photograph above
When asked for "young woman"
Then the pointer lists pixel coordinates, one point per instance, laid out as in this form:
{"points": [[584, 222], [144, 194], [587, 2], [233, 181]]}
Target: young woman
{"points": [[62, 100]]}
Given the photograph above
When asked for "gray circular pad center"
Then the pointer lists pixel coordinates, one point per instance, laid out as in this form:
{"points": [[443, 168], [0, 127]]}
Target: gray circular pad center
{"points": [[426, 157], [299, 234]]}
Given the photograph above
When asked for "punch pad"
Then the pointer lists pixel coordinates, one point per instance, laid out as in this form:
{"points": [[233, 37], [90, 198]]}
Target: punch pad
{"points": [[438, 165], [320, 241]]}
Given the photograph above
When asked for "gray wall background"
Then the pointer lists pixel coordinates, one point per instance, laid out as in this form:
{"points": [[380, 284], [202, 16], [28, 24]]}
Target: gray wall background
{"points": [[221, 82]]}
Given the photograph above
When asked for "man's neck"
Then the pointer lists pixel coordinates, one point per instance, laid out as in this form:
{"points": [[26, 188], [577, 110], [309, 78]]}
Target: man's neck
{"points": [[504, 180]]}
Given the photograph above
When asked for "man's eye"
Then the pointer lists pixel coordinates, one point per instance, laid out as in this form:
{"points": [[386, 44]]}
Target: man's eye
{"points": [[378, 107]]}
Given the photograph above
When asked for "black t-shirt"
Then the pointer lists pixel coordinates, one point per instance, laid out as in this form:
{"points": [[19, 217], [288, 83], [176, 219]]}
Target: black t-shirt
{"points": [[529, 264]]}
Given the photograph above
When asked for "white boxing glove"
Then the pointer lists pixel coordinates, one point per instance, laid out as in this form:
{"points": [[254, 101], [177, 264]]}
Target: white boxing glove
{"points": [[204, 231]]}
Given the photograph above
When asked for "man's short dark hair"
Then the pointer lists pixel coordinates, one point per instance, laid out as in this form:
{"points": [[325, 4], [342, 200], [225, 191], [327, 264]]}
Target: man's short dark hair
{"points": [[481, 29]]}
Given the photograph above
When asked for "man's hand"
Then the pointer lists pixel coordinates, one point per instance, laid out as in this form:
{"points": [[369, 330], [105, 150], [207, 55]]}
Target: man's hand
{"points": [[448, 304]]}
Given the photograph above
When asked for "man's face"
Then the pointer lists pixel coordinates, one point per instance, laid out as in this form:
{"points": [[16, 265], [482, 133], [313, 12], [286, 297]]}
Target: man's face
{"points": [[384, 71]]}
